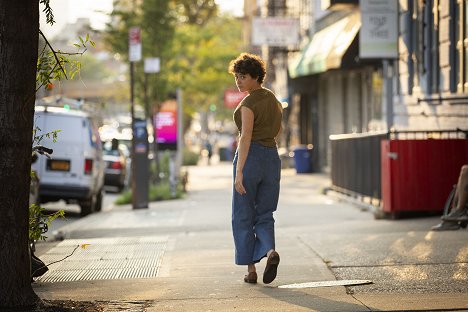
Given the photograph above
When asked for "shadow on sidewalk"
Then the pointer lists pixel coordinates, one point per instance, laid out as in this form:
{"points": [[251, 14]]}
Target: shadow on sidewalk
{"points": [[314, 302]]}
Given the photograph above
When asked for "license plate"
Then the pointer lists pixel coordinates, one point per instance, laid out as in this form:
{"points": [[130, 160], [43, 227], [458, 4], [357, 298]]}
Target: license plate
{"points": [[58, 165]]}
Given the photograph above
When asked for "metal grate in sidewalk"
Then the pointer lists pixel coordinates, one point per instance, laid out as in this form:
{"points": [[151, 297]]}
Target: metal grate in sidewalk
{"points": [[105, 258]]}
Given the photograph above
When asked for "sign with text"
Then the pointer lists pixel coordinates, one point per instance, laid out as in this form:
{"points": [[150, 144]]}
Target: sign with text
{"points": [[152, 65], [275, 31], [134, 44], [165, 123], [378, 37], [232, 98]]}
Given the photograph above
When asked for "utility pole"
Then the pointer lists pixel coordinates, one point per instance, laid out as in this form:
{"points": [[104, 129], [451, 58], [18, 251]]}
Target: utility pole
{"points": [[140, 185]]}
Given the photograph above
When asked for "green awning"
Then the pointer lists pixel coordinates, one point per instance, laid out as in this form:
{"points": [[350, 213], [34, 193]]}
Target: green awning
{"points": [[326, 48]]}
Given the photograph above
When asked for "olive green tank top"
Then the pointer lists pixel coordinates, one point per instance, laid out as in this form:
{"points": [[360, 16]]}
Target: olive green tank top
{"points": [[267, 112]]}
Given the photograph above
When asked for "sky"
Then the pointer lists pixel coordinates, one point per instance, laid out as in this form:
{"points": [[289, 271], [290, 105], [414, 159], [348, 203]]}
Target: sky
{"points": [[97, 10]]}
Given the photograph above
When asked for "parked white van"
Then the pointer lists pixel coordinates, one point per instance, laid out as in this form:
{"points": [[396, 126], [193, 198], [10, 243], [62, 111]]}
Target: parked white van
{"points": [[75, 173]]}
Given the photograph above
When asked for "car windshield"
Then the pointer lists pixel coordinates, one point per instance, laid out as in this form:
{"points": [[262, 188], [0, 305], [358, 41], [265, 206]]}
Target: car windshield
{"points": [[111, 152]]}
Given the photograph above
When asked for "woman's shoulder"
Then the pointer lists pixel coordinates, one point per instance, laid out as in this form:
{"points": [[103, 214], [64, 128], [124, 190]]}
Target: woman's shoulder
{"points": [[248, 101]]}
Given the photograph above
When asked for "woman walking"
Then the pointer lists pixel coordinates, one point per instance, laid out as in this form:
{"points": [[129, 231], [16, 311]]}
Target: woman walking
{"points": [[257, 169]]}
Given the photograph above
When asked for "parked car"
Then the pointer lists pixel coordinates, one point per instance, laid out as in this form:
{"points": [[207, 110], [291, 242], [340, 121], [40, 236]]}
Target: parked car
{"points": [[115, 173], [75, 173]]}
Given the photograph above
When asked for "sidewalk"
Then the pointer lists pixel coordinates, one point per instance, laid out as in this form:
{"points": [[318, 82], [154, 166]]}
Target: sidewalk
{"points": [[178, 256]]}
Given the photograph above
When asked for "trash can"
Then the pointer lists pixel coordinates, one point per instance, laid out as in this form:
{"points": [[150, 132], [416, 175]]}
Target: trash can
{"points": [[302, 160], [225, 154]]}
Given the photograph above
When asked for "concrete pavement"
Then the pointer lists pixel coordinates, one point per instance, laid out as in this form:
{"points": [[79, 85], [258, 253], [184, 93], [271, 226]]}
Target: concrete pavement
{"points": [[178, 255]]}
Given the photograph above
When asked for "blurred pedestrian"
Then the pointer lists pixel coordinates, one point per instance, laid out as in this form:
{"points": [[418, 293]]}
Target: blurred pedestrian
{"points": [[458, 216], [209, 149], [257, 169]]}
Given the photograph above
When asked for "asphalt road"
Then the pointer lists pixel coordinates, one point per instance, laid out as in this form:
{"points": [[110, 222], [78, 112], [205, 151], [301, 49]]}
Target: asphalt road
{"points": [[72, 212]]}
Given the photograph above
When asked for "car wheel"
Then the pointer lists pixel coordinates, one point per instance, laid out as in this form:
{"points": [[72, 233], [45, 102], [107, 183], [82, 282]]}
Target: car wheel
{"points": [[88, 205], [99, 198]]}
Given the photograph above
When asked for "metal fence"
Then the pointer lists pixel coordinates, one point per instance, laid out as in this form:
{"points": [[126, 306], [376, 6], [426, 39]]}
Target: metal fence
{"points": [[356, 158], [355, 165]]}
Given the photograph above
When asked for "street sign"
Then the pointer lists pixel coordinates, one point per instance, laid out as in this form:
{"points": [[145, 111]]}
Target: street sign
{"points": [[378, 37], [134, 44], [152, 65], [275, 31]]}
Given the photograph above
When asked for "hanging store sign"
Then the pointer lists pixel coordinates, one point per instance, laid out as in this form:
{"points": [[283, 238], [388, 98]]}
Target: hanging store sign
{"points": [[275, 31], [378, 37]]}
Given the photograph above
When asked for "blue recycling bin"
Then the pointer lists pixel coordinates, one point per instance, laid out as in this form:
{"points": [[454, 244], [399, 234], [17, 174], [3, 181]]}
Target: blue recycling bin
{"points": [[302, 160]]}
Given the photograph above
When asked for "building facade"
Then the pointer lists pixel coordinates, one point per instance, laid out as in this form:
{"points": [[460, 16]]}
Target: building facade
{"points": [[331, 90], [432, 69]]}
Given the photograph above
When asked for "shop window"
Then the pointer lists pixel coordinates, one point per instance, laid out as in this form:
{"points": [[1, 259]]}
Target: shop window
{"points": [[377, 95]]}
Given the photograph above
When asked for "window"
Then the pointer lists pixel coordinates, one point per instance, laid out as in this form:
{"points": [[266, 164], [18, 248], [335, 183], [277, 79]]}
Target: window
{"points": [[425, 66], [418, 43], [454, 37], [411, 45], [434, 65], [459, 32], [429, 44]]}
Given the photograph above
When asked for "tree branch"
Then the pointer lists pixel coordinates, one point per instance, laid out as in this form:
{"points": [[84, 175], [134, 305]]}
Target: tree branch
{"points": [[54, 52]]}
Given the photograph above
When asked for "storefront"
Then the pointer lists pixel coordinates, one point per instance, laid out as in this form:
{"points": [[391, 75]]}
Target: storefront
{"points": [[332, 90]]}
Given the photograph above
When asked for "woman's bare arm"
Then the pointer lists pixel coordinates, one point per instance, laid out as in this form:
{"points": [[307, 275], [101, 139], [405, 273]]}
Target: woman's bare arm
{"points": [[243, 147]]}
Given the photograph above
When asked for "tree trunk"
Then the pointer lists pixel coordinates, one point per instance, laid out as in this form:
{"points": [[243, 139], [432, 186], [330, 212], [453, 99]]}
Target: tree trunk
{"points": [[19, 31]]}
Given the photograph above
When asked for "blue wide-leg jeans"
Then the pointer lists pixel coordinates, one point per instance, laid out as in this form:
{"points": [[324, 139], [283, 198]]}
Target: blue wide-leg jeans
{"points": [[252, 213]]}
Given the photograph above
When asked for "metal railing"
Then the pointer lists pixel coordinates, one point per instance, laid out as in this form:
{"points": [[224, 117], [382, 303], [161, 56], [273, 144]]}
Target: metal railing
{"points": [[356, 158], [355, 163]]}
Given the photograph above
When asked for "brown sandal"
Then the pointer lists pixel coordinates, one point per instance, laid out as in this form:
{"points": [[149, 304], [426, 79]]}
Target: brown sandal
{"points": [[251, 278], [271, 267]]}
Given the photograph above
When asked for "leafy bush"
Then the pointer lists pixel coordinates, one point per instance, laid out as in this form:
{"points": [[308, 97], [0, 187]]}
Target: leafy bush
{"points": [[190, 158], [157, 192], [163, 191], [124, 198], [39, 222]]}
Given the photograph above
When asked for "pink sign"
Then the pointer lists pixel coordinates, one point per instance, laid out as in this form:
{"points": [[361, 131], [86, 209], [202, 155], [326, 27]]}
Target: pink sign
{"points": [[232, 98], [166, 123]]}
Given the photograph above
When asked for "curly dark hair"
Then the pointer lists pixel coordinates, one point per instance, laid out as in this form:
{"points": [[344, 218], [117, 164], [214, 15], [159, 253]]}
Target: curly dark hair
{"points": [[251, 64]]}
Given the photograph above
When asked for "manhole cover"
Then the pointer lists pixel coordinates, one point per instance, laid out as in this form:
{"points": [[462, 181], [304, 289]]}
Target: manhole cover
{"points": [[327, 284], [104, 258]]}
